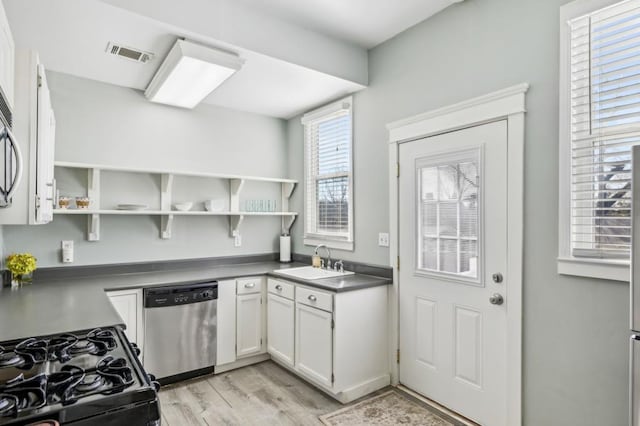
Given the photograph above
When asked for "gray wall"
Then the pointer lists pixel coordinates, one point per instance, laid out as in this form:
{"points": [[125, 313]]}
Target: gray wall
{"points": [[575, 330], [104, 124]]}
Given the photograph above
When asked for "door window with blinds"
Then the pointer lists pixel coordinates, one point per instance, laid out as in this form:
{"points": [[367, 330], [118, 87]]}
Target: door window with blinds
{"points": [[448, 194], [604, 114], [328, 211]]}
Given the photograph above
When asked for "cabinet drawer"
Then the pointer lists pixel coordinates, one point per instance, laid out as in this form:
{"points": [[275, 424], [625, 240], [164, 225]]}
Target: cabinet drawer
{"points": [[249, 285], [281, 288], [315, 298]]}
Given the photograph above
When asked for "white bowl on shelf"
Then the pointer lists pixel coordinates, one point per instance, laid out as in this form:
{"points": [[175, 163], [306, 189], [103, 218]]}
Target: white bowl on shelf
{"points": [[183, 207], [216, 205]]}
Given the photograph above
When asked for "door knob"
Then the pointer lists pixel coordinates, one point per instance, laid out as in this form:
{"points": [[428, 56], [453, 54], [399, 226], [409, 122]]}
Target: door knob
{"points": [[497, 277], [496, 299]]}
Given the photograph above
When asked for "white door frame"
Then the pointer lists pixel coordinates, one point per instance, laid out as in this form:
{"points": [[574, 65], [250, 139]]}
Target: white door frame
{"points": [[507, 104]]}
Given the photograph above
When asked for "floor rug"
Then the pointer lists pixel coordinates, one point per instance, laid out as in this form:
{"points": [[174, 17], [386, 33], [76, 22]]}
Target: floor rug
{"points": [[390, 408]]}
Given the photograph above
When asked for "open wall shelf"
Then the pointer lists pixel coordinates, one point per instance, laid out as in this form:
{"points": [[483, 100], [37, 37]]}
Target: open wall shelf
{"points": [[236, 183]]}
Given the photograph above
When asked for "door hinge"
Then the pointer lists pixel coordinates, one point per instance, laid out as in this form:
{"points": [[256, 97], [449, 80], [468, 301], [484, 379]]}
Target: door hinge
{"points": [[39, 80], [333, 378], [333, 324], [397, 169], [398, 263], [260, 342], [398, 356], [261, 300]]}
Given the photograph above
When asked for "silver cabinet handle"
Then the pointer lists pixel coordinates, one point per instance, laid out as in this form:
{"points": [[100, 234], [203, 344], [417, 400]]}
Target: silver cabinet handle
{"points": [[279, 287], [250, 285], [312, 298]]}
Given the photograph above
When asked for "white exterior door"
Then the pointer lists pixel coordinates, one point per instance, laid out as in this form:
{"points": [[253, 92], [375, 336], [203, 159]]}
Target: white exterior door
{"points": [[249, 324], [452, 278], [280, 326], [314, 344]]}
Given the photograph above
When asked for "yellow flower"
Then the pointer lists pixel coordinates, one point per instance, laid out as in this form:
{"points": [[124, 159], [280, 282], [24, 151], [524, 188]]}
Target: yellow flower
{"points": [[21, 263]]}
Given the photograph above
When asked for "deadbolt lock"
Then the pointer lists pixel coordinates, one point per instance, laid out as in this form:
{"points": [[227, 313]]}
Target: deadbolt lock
{"points": [[497, 277]]}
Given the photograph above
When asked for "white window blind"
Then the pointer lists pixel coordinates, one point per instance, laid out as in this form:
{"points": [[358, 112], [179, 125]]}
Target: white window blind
{"points": [[605, 123], [328, 179]]}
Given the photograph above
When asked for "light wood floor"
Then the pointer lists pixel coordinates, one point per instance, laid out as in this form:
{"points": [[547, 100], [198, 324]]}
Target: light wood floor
{"points": [[261, 394]]}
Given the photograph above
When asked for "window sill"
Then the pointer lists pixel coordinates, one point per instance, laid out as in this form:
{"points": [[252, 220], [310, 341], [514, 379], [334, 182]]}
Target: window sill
{"points": [[616, 270], [332, 244]]}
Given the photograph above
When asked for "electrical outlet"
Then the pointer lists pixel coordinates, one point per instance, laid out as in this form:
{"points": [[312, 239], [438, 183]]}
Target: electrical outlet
{"points": [[67, 251], [383, 239], [237, 240]]}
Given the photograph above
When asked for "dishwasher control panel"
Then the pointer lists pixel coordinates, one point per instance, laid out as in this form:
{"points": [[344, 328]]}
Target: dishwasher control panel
{"points": [[158, 297]]}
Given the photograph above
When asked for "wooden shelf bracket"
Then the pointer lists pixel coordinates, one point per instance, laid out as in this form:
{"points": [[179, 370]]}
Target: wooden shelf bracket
{"points": [[166, 223], [235, 187], [287, 222], [93, 227], [166, 188], [234, 224]]}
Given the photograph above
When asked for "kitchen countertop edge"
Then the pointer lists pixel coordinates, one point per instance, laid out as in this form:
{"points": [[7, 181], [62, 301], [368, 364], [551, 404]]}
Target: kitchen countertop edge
{"points": [[78, 304]]}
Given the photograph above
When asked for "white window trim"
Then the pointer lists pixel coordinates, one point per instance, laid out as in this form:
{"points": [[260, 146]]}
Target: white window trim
{"points": [[337, 243], [611, 269]]}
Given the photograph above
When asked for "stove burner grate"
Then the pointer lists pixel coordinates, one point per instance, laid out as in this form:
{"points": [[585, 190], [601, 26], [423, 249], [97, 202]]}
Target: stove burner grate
{"points": [[8, 404]]}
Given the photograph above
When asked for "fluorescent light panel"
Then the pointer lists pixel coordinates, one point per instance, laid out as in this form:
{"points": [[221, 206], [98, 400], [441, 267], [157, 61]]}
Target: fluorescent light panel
{"points": [[189, 73]]}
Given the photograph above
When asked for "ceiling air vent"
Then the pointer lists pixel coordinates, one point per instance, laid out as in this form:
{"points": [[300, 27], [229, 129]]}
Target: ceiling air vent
{"points": [[129, 53]]}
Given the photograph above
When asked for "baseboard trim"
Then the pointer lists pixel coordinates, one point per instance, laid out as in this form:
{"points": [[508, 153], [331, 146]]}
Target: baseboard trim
{"points": [[436, 406], [240, 363], [358, 391]]}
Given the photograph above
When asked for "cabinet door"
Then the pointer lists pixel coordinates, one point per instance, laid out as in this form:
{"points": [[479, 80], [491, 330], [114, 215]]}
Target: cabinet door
{"points": [[7, 57], [314, 344], [280, 328], [45, 151], [226, 330], [128, 304], [248, 324]]}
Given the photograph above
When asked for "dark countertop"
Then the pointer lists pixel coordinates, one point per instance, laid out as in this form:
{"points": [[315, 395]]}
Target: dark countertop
{"points": [[69, 305]]}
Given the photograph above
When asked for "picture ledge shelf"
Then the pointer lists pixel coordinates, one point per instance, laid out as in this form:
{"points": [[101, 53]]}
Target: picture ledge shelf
{"points": [[236, 183]]}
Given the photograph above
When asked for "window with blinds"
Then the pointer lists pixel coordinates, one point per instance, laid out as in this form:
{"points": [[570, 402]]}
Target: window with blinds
{"points": [[328, 178], [605, 123]]}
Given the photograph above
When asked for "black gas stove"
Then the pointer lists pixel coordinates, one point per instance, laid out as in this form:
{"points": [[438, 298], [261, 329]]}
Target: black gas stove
{"points": [[88, 378]]}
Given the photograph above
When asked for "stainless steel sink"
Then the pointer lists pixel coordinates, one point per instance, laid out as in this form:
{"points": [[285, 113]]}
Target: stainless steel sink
{"points": [[311, 273]]}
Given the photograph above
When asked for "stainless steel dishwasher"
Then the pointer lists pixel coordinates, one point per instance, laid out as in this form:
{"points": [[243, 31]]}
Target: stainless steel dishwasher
{"points": [[180, 329]]}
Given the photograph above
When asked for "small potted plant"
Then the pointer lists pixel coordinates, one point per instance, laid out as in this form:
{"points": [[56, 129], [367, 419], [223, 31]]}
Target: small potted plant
{"points": [[21, 266]]}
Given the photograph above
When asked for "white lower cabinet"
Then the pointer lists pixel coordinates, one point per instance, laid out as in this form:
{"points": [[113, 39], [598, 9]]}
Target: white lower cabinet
{"points": [[314, 344], [340, 339], [129, 305], [250, 317], [249, 324], [226, 329], [280, 328]]}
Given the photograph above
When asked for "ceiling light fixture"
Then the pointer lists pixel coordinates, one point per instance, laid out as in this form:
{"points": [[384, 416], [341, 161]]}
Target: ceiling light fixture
{"points": [[189, 73]]}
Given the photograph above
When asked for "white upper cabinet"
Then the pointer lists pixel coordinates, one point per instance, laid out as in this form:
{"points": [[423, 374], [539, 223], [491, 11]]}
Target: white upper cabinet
{"points": [[34, 127], [45, 151], [7, 55]]}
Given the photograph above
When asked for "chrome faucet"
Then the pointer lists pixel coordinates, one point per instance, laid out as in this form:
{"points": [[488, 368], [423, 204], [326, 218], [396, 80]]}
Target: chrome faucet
{"points": [[328, 264], [338, 266]]}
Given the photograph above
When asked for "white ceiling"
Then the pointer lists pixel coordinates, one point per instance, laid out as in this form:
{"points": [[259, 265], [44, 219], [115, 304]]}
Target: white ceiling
{"points": [[72, 35], [366, 23]]}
